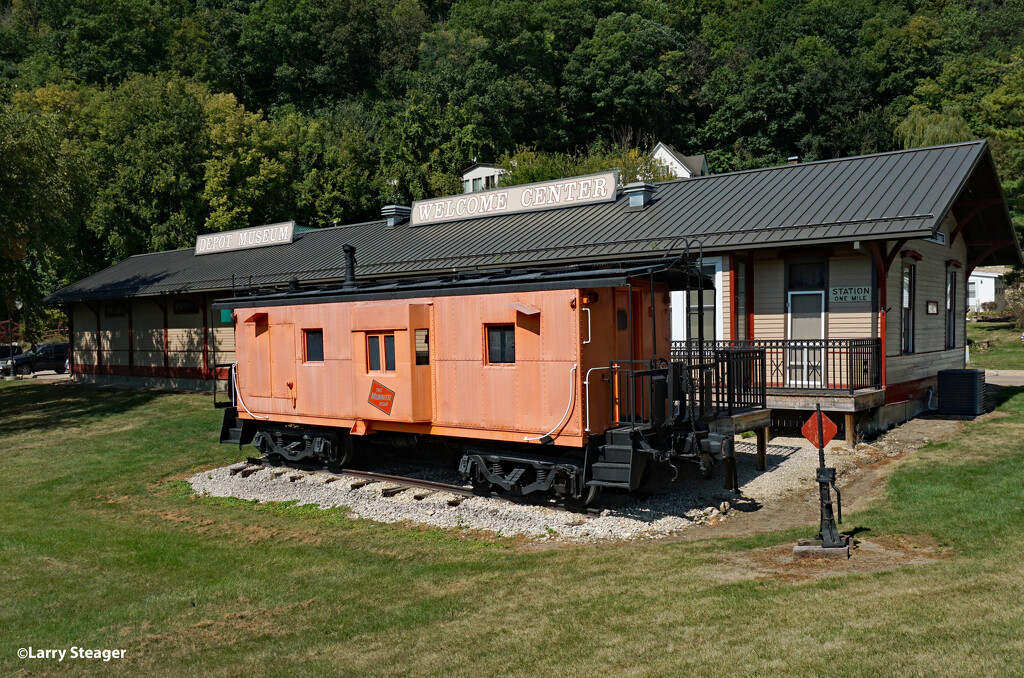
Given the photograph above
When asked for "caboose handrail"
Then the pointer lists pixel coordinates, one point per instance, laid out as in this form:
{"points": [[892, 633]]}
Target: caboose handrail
{"points": [[586, 393], [238, 394], [568, 407]]}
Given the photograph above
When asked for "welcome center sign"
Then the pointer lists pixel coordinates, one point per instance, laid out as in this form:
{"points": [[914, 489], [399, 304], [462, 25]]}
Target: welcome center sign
{"points": [[545, 195]]}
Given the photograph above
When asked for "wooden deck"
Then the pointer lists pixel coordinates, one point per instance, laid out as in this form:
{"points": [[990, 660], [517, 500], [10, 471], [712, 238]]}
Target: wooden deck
{"points": [[831, 401]]}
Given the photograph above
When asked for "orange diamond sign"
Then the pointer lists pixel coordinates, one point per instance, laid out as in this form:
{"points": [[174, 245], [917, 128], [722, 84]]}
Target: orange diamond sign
{"points": [[381, 397], [828, 429]]}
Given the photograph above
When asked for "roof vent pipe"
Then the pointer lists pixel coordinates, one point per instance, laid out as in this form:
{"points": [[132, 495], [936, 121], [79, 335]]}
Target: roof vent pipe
{"points": [[350, 264], [396, 214], [640, 195]]}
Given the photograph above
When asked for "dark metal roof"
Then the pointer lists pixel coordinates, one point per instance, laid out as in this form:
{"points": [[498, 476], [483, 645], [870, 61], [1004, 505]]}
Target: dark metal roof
{"points": [[903, 194]]}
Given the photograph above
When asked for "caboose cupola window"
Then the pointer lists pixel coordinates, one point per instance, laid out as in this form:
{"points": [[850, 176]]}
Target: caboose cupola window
{"points": [[501, 344], [380, 350]]}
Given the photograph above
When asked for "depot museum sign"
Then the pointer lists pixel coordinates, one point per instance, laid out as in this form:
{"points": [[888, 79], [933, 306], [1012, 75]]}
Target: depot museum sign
{"points": [[545, 195], [246, 238]]}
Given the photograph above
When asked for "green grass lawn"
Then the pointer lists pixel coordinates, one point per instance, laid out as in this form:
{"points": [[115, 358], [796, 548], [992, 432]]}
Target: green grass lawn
{"points": [[101, 546], [1005, 351]]}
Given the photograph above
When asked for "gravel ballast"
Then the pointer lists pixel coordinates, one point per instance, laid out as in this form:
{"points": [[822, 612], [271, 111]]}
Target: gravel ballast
{"points": [[664, 509]]}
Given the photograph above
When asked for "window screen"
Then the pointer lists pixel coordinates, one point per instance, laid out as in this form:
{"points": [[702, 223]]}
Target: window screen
{"points": [[422, 347], [389, 352], [314, 346], [807, 276], [373, 352], [501, 344]]}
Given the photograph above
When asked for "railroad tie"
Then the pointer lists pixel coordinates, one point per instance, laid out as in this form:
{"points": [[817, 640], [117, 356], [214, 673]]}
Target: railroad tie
{"points": [[420, 496], [363, 482], [392, 490]]}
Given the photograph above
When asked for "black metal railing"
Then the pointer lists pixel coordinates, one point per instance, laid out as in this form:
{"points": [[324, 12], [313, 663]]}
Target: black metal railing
{"points": [[704, 384], [818, 364]]}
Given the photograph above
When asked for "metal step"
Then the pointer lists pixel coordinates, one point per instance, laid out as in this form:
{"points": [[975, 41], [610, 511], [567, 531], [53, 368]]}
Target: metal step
{"points": [[231, 427], [621, 454], [611, 472]]}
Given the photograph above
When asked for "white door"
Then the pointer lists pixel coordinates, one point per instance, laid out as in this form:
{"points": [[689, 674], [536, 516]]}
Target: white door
{"points": [[805, 349]]}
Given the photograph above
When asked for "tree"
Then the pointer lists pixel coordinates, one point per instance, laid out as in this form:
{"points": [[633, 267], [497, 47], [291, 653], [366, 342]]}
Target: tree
{"points": [[923, 127], [37, 200]]}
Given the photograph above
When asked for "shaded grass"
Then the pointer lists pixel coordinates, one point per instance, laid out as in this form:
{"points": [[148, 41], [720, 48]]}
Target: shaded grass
{"points": [[102, 546], [1005, 350]]}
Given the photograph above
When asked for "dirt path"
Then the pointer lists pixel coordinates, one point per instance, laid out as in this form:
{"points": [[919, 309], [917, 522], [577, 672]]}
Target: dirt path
{"points": [[861, 479]]}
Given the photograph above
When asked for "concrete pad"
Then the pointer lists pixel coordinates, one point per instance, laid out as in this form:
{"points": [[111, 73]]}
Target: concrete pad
{"points": [[820, 553]]}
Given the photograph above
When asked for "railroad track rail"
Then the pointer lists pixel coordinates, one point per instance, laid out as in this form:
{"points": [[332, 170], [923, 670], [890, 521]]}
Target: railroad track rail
{"points": [[395, 484]]}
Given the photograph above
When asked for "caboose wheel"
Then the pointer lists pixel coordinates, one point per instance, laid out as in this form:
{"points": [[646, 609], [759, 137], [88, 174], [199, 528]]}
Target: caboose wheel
{"points": [[342, 456], [590, 495]]}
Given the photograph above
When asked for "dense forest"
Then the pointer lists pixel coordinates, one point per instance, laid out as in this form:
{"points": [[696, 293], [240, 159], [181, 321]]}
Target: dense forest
{"points": [[129, 126]]}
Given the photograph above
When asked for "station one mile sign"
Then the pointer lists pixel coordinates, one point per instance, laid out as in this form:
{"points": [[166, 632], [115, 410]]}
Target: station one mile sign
{"points": [[843, 294]]}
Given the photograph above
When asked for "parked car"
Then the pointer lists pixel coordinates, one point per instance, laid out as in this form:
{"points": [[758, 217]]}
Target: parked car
{"points": [[45, 357], [8, 351]]}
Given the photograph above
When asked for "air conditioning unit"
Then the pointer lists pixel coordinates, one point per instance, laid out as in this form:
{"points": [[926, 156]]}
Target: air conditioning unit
{"points": [[962, 392]]}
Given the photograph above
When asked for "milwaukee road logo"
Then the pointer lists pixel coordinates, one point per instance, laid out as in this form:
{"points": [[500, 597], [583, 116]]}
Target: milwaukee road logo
{"points": [[381, 397]]}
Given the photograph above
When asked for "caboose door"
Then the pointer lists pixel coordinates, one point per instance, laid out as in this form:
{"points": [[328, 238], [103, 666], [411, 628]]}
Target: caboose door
{"points": [[282, 361]]}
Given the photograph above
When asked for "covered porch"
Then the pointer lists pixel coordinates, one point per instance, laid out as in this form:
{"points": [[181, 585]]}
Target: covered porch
{"points": [[843, 375]]}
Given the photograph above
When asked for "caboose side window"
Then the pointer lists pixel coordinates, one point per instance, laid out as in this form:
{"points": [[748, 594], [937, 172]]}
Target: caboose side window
{"points": [[314, 345], [422, 347], [501, 344], [380, 350]]}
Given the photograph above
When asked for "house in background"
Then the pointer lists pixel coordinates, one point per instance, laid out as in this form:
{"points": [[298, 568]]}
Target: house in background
{"points": [[480, 176], [986, 285], [679, 165]]}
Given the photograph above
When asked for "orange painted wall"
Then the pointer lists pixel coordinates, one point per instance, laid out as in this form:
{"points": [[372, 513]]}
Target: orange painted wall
{"points": [[458, 393]]}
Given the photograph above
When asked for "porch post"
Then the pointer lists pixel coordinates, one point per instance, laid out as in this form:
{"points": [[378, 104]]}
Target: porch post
{"points": [[762, 448]]}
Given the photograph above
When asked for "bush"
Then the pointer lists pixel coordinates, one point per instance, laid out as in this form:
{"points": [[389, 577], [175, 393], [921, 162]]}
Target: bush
{"points": [[1015, 304]]}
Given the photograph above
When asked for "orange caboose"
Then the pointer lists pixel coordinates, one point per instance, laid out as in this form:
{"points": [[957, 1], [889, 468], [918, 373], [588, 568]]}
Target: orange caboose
{"points": [[526, 370]]}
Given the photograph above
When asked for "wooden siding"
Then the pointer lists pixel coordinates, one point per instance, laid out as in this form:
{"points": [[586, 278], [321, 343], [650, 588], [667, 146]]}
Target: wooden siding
{"points": [[84, 339], [769, 297], [853, 319], [930, 354]]}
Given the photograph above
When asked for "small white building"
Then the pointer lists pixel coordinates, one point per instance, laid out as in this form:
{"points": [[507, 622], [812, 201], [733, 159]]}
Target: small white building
{"points": [[679, 165], [480, 176], [986, 285]]}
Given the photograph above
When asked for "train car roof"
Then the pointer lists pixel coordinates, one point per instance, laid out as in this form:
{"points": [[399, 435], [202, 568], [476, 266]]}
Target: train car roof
{"points": [[669, 272]]}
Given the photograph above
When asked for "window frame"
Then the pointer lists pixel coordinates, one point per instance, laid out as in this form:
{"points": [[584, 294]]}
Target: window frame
{"points": [[950, 310], [487, 344], [383, 367], [306, 333], [178, 307], [908, 302], [114, 309], [422, 358]]}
